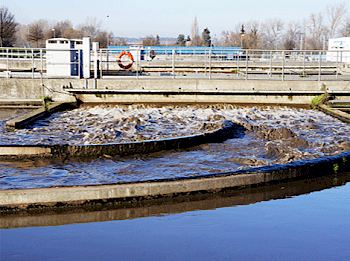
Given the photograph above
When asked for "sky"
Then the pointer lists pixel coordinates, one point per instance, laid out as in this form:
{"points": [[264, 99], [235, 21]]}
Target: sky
{"points": [[166, 18]]}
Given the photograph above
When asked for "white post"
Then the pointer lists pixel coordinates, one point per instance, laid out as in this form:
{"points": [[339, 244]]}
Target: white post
{"points": [[95, 48], [86, 57]]}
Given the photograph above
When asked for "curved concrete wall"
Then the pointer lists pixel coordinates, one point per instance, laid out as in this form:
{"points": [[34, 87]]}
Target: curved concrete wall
{"points": [[122, 149], [81, 195]]}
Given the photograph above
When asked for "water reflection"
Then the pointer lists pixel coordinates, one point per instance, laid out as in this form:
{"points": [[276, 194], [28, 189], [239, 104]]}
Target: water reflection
{"points": [[165, 206]]}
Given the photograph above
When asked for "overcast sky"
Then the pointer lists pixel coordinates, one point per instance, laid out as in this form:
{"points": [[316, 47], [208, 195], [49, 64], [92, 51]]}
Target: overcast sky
{"points": [[137, 18]]}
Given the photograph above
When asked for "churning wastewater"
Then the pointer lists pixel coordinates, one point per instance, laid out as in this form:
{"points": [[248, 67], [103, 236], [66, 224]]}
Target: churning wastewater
{"points": [[301, 220], [269, 135]]}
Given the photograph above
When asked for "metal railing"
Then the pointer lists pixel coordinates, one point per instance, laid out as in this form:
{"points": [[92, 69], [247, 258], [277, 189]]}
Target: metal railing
{"points": [[27, 60], [229, 64], [183, 63], [37, 62]]}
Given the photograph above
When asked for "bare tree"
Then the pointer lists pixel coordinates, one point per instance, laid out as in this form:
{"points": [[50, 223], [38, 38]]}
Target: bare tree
{"points": [[271, 30], [90, 28], [252, 35], [58, 29], [7, 27], [335, 13], [104, 39], [150, 40], [290, 38], [36, 32], [224, 38], [233, 38], [317, 31], [195, 32], [345, 30], [71, 33]]}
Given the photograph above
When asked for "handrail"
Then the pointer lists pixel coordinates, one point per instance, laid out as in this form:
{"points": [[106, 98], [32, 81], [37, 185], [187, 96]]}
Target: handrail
{"points": [[192, 62]]}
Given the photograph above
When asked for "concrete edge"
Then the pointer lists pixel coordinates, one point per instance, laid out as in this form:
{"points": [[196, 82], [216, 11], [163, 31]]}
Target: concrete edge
{"points": [[28, 118], [343, 116], [121, 149], [53, 197]]}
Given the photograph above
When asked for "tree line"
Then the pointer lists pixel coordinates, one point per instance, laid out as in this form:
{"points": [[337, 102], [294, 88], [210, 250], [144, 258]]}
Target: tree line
{"points": [[36, 33], [311, 33]]}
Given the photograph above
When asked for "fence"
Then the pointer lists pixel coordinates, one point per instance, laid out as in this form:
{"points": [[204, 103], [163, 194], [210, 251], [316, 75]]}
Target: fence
{"points": [[179, 63]]}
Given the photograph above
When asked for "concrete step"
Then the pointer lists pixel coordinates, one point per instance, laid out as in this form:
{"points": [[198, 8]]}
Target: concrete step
{"points": [[339, 103], [20, 102]]}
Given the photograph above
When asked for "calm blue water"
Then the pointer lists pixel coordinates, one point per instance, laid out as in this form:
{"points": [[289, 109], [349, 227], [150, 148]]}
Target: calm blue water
{"points": [[314, 226]]}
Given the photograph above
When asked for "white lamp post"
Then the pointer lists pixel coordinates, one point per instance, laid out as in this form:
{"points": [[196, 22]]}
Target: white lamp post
{"points": [[242, 40]]}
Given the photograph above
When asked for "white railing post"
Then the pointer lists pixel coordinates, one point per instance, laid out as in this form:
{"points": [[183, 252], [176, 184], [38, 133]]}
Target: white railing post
{"points": [[320, 64], [304, 63], [270, 64], [246, 65], [282, 65], [107, 58], [209, 64], [41, 61], [101, 66], [79, 63], [32, 63], [7, 59], [138, 60], [205, 69], [173, 63], [336, 76], [238, 58]]}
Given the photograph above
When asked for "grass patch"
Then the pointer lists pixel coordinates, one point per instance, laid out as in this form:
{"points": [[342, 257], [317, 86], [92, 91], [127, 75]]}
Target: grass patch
{"points": [[320, 99]]}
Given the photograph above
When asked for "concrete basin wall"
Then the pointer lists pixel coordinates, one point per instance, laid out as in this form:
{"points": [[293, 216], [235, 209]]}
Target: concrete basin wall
{"points": [[172, 90], [75, 196]]}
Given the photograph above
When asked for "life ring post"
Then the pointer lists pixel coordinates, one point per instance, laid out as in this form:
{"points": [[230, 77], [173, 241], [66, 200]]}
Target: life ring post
{"points": [[121, 65]]}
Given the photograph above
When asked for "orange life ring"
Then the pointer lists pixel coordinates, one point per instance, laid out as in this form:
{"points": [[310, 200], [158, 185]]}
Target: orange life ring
{"points": [[119, 60], [152, 54]]}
